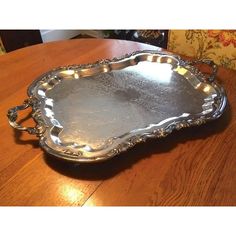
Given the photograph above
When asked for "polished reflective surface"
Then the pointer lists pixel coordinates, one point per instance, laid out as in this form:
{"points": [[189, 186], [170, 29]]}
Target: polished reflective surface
{"points": [[93, 109], [95, 113]]}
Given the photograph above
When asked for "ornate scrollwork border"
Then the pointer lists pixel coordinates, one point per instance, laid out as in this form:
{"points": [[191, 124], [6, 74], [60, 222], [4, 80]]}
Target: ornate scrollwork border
{"points": [[78, 155]]}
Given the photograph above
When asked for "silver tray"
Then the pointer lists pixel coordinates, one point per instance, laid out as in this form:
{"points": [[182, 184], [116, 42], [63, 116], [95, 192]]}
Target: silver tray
{"points": [[92, 112]]}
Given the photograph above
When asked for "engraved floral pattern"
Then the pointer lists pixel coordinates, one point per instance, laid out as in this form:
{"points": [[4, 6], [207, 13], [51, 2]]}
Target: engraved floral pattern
{"points": [[68, 153]]}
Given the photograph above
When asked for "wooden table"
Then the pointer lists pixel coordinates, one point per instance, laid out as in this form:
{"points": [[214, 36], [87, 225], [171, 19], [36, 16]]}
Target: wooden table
{"points": [[195, 166]]}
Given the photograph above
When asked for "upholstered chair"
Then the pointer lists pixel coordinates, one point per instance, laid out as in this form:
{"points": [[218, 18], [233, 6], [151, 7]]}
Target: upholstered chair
{"points": [[2, 49], [217, 45]]}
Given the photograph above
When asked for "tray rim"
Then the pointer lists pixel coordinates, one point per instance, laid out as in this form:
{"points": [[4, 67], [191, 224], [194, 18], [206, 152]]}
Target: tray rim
{"points": [[126, 144]]}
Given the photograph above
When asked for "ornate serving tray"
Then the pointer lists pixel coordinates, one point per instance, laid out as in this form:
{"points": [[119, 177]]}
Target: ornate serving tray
{"points": [[92, 112]]}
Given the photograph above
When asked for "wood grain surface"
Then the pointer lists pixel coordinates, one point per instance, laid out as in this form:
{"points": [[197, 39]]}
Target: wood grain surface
{"points": [[190, 167]]}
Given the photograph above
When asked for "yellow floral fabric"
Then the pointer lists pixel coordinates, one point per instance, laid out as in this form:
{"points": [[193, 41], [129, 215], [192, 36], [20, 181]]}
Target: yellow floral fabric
{"points": [[2, 49], [217, 45]]}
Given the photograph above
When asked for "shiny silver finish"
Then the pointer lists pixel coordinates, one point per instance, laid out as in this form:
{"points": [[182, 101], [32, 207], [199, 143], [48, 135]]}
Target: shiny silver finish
{"points": [[89, 113]]}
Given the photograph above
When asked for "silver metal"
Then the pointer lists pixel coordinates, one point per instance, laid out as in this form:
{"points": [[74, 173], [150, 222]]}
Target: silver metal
{"points": [[12, 117], [208, 62], [92, 112]]}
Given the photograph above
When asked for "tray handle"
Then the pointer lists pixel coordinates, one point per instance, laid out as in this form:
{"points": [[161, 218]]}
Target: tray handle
{"points": [[12, 117], [208, 62]]}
